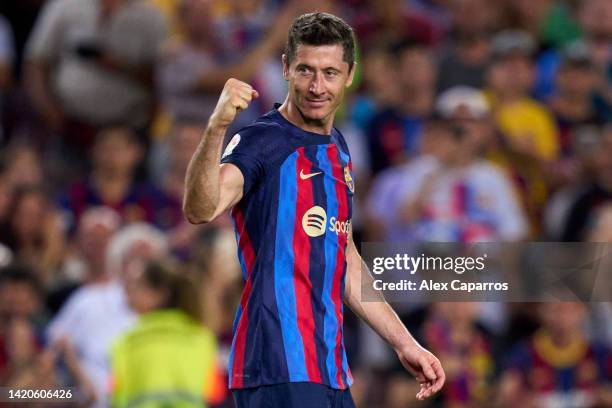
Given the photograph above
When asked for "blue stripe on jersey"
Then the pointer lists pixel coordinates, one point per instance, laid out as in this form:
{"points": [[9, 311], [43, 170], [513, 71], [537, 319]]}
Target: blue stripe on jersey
{"points": [[331, 249], [240, 255], [284, 286], [231, 354]]}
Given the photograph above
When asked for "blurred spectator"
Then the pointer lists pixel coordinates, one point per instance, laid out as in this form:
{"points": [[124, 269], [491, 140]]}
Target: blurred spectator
{"points": [[85, 261], [577, 100], [192, 71], [115, 155], [379, 85], [90, 64], [97, 313], [558, 365], [7, 55], [23, 165], [579, 169], [596, 22], [168, 358], [467, 351], [466, 53], [529, 137], [34, 232], [394, 133], [450, 194], [21, 320], [597, 191], [169, 166], [551, 21], [391, 20], [6, 190]]}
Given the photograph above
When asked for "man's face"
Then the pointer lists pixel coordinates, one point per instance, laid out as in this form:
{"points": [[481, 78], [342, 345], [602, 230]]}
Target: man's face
{"points": [[318, 77]]}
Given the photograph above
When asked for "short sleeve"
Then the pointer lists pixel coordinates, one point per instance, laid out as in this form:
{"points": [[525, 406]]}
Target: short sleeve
{"points": [[245, 150], [45, 41]]}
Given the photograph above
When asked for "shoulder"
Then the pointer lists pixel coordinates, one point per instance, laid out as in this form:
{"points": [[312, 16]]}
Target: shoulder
{"points": [[342, 142], [260, 137]]}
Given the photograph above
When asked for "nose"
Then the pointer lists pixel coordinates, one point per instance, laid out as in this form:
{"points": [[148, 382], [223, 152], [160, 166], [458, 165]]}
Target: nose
{"points": [[316, 85]]}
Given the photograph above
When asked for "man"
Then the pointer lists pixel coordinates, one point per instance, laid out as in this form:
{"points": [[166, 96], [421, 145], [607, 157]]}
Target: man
{"points": [[450, 193], [288, 179], [90, 64]]}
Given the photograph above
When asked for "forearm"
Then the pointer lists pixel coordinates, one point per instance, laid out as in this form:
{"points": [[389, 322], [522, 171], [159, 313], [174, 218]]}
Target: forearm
{"points": [[36, 87], [202, 189], [370, 305]]}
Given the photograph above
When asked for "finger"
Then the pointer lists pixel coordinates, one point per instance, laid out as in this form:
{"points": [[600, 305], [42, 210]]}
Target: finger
{"points": [[241, 104], [440, 374], [245, 95], [254, 94], [428, 371]]}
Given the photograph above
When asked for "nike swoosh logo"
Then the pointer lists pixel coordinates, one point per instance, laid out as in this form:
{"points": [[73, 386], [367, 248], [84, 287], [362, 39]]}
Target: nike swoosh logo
{"points": [[307, 176]]}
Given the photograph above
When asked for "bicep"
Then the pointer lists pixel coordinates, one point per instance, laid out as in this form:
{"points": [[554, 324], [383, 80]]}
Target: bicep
{"points": [[231, 185]]}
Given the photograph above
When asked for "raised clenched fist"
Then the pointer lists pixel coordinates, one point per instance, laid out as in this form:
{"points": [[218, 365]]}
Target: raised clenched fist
{"points": [[235, 97]]}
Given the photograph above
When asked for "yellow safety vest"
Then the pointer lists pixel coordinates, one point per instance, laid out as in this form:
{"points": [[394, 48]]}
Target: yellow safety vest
{"points": [[167, 360]]}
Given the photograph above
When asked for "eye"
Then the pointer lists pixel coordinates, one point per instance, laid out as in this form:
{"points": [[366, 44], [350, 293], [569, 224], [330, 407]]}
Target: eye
{"points": [[331, 73], [303, 70]]}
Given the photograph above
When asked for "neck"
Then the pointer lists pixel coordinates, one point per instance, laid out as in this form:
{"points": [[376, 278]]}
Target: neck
{"points": [[295, 116]]}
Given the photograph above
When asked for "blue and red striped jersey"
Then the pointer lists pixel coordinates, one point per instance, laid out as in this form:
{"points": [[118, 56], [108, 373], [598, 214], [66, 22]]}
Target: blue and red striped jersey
{"points": [[292, 227]]}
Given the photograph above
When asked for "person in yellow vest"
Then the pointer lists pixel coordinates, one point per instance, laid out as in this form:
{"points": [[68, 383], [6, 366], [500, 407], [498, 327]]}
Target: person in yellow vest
{"points": [[168, 359]]}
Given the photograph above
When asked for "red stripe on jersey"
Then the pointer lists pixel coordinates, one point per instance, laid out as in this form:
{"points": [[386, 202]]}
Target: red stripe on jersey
{"points": [[338, 173], [303, 285], [248, 254]]}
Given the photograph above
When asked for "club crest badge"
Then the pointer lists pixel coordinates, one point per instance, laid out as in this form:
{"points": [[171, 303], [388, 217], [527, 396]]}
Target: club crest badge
{"points": [[349, 179], [231, 145]]}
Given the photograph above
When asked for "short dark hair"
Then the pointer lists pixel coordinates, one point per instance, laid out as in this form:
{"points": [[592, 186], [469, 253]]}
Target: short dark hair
{"points": [[19, 273], [321, 29]]}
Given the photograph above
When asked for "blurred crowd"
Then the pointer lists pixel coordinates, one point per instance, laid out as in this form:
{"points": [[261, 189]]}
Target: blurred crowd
{"points": [[469, 121]]}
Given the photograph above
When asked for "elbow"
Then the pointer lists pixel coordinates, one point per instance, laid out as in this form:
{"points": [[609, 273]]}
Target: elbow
{"points": [[196, 217]]}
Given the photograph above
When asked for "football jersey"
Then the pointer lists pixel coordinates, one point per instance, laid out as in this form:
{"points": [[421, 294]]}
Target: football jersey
{"points": [[292, 227]]}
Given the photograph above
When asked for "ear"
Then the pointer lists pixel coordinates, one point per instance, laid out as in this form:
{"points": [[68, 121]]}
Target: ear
{"points": [[351, 75], [285, 67]]}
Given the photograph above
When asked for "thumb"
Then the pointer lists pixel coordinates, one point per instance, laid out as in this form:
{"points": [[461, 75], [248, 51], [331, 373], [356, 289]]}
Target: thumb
{"points": [[254, 94]]}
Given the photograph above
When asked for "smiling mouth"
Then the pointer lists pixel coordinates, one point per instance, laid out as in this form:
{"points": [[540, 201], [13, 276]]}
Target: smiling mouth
{"points": [[316, 102]]}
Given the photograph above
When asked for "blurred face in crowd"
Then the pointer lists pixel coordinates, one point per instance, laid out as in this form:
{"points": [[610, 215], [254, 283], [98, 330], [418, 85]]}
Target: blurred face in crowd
{"points": [[469, 16], [378, 75], [142, 297], [115, 152], [18, 299], [137, 255], [460, 138], [531, 11], [417, 70], [318, 77], [183, 142], [24, 166], [596, 19], [30, 209], [197, 20], [96, 227], [562, 318], [459, 313], [575, 80], [511, 75]]}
